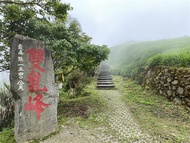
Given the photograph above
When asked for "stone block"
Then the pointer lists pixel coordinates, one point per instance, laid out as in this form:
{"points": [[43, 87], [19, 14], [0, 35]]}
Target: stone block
{"points": [[180, 90], [187, 100], [177, 101], [32, 85], [169, 92], [175, 82]]}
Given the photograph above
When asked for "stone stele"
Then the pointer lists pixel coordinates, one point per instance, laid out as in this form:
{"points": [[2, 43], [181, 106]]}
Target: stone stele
{"points": [[32, 85]]}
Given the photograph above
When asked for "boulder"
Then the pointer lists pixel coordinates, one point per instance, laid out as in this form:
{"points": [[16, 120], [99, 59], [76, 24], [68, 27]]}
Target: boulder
{"points": [[32, 85]]}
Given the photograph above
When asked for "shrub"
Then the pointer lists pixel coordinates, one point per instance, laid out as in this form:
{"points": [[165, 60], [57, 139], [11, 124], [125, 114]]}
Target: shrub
{"points": [[6, 107], [7, 136], [176, 59], [75, 84]]}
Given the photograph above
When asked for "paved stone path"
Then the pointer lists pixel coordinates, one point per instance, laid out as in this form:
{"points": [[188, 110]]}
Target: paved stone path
{"points": [[121, 122], [122, 127]]}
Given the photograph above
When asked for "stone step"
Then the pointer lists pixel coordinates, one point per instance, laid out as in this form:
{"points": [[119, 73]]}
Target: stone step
{"points": [[104, 73], [110, 78], [105, 86], [104, 82], [104, 78]]}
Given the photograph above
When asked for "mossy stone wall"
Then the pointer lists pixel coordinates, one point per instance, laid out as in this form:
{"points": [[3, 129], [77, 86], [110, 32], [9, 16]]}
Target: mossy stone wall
{"points": [[174, 83]]}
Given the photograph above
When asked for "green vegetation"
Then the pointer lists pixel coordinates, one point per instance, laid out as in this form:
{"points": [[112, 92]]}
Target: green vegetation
{"points": [[70, 46], [128, 59], [154, 113], [156, 116], [82, 105], [176, 59], [74, 57], [21, 17], [6, 107], [82, 110], [7, 136]]}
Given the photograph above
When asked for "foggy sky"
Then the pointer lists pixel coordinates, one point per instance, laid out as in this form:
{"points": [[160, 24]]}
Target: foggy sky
{"points": [[113, 22]]}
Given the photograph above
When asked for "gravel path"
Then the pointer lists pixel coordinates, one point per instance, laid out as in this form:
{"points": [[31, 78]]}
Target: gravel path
{"points": [[122, 127]]}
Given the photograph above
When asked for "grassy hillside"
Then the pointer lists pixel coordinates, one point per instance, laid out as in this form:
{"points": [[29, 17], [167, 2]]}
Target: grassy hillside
{"points": [[127, 59]]}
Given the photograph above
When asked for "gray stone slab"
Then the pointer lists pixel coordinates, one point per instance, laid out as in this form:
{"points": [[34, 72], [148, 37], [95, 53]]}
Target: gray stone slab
{"points": [[32, 85], [102, 82], [105, 86], [104, 78]]}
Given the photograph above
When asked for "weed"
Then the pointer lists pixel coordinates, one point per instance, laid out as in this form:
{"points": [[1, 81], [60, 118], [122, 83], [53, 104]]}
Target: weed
{"points": [[7, 136], [6, 107]]}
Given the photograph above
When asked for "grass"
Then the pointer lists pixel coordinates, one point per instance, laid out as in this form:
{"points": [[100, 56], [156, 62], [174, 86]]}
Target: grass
{"points": [[175, 59], [83, 106], [154, 113], [82, 110], [128, 59], [7, 136]]}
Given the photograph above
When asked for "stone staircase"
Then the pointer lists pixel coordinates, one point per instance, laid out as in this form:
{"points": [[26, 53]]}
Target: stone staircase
{"points": [[104, 80]]}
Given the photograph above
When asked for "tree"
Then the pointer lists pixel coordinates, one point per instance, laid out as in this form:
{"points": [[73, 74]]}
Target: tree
{"points": [[72, 51], [21, 17], [70, 46], [90, 56], [40, 7], [77, 52]]}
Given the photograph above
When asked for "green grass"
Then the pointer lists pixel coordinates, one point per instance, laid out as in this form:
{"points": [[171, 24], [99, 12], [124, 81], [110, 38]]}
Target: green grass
{"points": [[175, 59], [82, 105], [7, 136], [154, 113], [82, 110], [129, 58]]}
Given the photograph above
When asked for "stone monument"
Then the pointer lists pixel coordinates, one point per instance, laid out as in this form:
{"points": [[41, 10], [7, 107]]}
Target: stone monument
{"points": [[32, 85]]}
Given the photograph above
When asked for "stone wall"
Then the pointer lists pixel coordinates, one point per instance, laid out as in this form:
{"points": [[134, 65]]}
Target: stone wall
{"points": [[174, 83]]}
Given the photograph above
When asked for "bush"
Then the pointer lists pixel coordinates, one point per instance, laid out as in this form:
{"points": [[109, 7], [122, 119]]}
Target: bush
{"points": [[75, 84], [7, 136], [176, 59], [6, 107]]}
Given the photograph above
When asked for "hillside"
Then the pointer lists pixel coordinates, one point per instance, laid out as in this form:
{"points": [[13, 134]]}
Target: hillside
{"points": [[127, 59]]}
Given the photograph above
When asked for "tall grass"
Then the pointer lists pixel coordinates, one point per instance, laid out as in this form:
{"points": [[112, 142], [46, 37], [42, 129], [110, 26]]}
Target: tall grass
{"points": [[6, 107], [128, 59], [173, 58]]}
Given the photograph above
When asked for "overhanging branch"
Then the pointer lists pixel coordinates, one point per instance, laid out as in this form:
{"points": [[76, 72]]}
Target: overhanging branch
{"points": [[37, 3], [18, 3]]}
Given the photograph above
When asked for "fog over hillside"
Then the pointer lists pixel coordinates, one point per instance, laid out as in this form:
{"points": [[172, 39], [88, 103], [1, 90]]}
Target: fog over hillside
{"points": [[113, 22]]}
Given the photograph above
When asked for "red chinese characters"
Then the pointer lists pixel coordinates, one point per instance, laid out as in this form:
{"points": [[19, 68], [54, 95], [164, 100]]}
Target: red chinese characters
{"points": [[35, 56], [34, 80], [38, 106]]}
